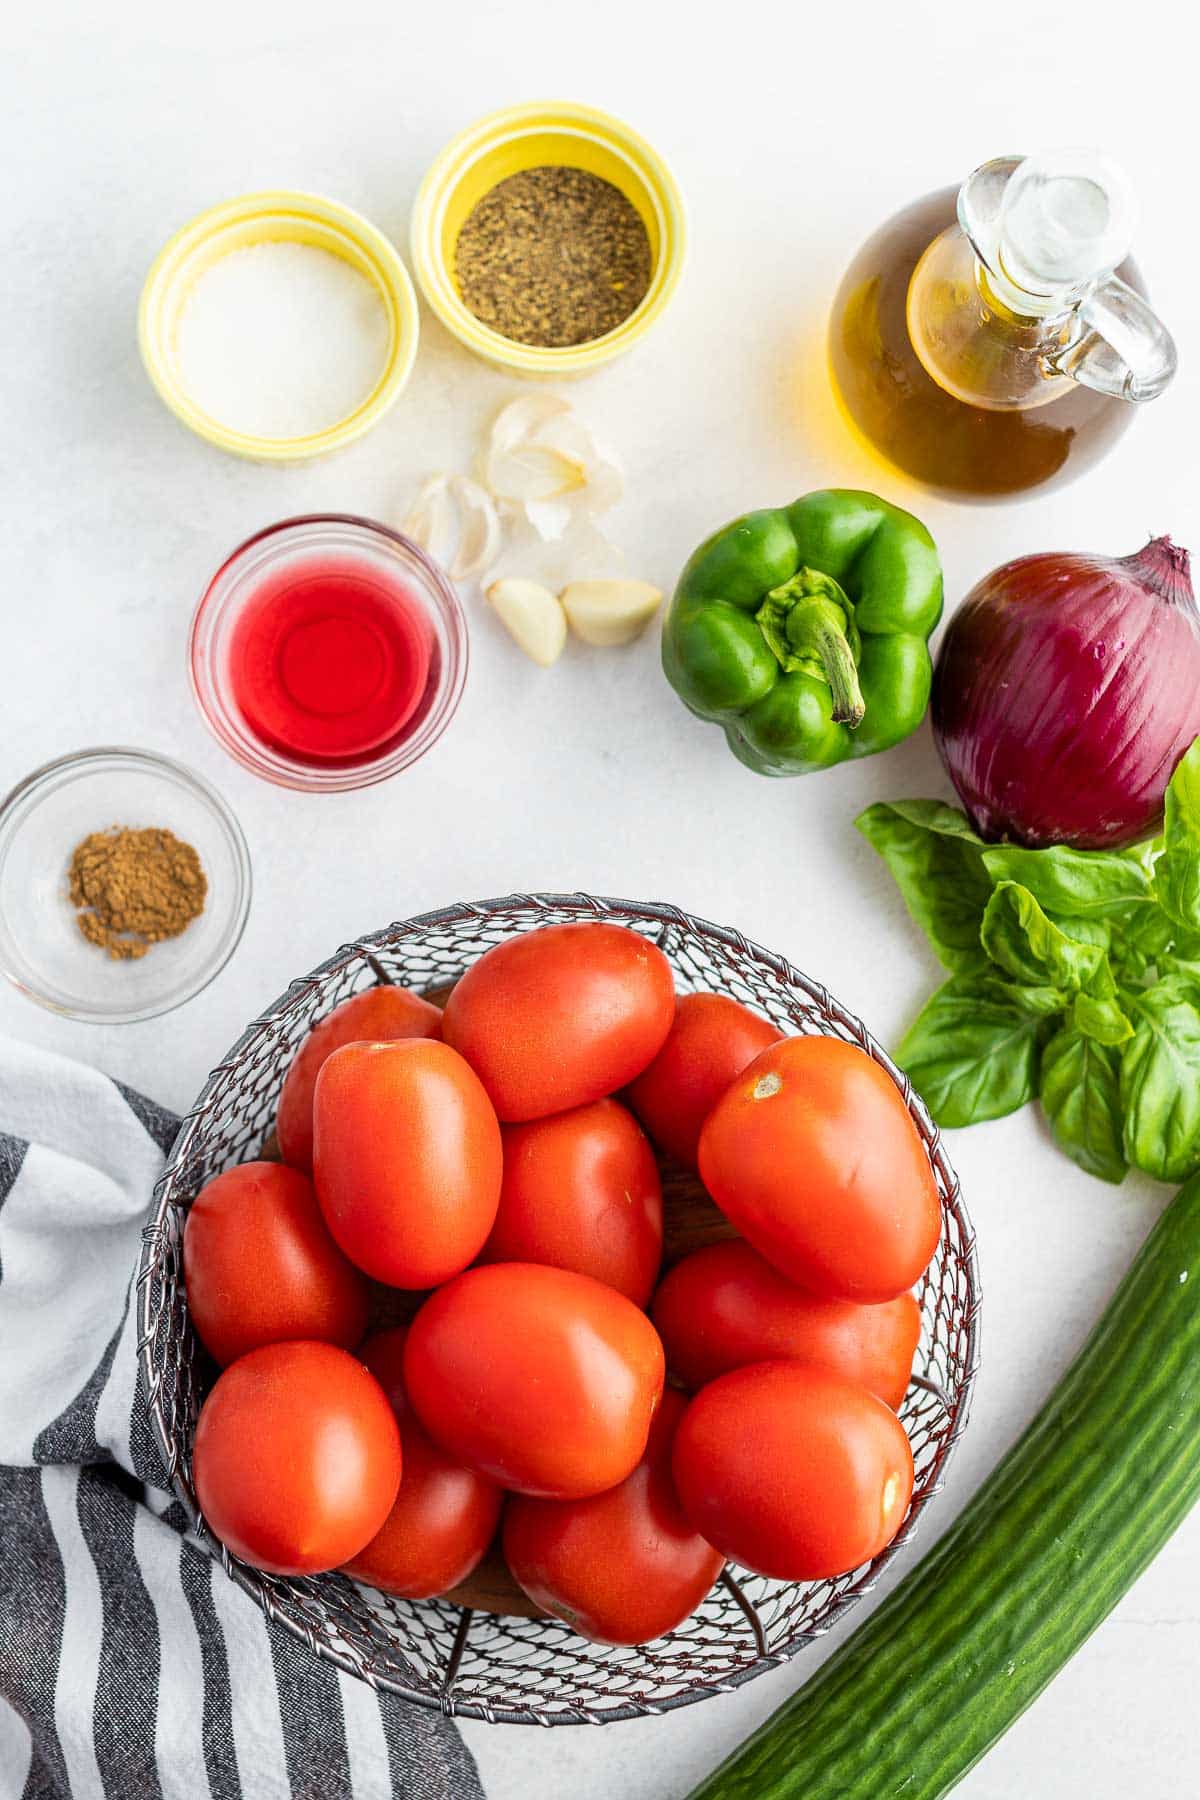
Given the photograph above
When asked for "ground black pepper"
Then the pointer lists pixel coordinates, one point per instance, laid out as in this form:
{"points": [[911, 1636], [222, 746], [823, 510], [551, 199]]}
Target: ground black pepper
{"points": [[553, 256]]}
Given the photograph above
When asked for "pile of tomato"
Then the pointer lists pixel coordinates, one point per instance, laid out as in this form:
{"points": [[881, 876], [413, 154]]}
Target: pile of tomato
{"points": [[618, 1431]]}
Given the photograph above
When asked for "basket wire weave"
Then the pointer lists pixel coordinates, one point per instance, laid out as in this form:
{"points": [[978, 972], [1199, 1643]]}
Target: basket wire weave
{"points": [[487, 1666]]}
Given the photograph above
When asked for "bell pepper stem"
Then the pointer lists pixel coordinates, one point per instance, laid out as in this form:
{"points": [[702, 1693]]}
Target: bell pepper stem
{"points": [[841, 672], [809, 625]]}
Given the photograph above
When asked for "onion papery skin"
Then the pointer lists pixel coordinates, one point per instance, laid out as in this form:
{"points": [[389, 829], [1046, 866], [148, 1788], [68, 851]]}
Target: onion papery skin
{"points": [[1066, 689]]}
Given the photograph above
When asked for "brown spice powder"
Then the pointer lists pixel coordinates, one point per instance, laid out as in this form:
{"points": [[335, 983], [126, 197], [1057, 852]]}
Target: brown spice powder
{"points": [[134, 888], [553, 256]]}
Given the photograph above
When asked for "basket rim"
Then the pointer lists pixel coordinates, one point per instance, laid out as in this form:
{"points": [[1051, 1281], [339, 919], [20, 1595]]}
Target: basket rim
{"points": [[664, 913]]}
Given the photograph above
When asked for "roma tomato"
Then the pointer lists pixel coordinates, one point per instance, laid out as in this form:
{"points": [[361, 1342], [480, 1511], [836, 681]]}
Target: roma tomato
{"points": [[543, 1380], [557, 1017], [711, 1041], [813, 1156], [581, 1191], [260, 1265], [408, 1159], [622, 1567], [724, 1306], [297, 1458], [792, 1472], [444, 1516], [376, 1017]]}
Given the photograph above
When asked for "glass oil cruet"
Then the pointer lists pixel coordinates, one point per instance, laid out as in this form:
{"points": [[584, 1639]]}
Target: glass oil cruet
{"points": [[999, 340]]}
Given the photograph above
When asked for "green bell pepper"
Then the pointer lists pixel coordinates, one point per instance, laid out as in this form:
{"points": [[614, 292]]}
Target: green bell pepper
{"points": [[802, 630]]}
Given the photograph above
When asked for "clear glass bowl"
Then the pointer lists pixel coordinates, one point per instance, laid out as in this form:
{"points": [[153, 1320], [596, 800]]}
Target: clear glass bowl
{"points": [[43, 952], [238, 581]]}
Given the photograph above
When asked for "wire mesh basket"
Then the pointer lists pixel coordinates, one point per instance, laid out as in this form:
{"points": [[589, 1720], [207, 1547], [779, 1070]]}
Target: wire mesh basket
{"points": [[486, 1665]]}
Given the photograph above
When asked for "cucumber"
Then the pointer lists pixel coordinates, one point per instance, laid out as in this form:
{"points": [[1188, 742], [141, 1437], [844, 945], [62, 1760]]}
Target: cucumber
{"points": [[1064, 1524]]}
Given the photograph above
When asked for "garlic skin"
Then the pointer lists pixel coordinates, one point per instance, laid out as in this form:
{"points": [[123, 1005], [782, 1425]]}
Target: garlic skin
{"points": [[456, 520], [482, 533], [430, 521], [540, 465], [541, 460], [533, 617], [608, 613]]}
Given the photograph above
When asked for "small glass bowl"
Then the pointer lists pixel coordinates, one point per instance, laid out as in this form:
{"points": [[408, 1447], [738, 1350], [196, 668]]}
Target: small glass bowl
{"points": [[237, 582], [42, 950]]}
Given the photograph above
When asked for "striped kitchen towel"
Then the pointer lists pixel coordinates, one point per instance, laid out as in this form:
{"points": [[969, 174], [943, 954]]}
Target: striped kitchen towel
{"points": [[131, 1667]]}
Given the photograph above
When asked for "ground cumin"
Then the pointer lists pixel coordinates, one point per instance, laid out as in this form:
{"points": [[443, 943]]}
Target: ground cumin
{"points": [[553, 256], [134, 888]]}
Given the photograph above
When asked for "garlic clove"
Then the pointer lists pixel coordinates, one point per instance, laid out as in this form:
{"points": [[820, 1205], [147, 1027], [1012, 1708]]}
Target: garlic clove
{"points": [[609, 612], [532, 615], [482, 533]]}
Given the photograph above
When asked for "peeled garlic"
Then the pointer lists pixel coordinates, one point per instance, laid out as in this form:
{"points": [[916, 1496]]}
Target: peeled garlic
{"points": [[609, 612], [532, 615]]}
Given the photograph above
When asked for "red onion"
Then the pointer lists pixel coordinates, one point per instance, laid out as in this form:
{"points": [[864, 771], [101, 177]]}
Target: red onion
{"points": [[1066, 690]]}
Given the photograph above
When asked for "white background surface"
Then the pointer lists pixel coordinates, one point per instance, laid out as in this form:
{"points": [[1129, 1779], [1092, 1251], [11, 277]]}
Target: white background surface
{"points": [[793, 132]]}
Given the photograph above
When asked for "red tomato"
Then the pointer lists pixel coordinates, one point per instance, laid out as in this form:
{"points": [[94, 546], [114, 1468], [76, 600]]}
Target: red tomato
{"points": [[297, 1458], [723, 1307], [581, 1191], [260, 1265], [557, 1017], [408, 1159], [621, 1567], [540, 1378], [711, 1041], [813, 1156], [376, 1017], [444, 1516], [792, 1472]]}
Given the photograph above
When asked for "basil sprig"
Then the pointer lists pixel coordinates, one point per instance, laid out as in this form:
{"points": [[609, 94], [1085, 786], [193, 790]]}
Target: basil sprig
{"points": [[1074, 979]]}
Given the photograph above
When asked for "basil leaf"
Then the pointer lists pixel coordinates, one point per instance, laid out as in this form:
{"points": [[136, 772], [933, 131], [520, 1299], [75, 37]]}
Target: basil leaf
{"points": [[1160, 1082], [1084, 931], [1081, 1099], [937, 863], [1037, 1002], [1147, 933], [1078, 883], [1177, 872], [1182, 959], [1145, 853], [1100, 1019], [1184, 971], [1027, 945], [971, 1053]]}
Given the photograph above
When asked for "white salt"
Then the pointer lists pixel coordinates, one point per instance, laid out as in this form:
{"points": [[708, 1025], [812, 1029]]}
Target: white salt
{"points": [[281, 340]]}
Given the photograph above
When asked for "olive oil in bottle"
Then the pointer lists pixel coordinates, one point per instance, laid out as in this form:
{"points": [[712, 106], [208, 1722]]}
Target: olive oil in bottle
{"points": [[993, 341]]}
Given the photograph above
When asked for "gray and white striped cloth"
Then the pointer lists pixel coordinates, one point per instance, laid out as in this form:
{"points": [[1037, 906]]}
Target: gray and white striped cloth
{"points": [[131, 1667]]}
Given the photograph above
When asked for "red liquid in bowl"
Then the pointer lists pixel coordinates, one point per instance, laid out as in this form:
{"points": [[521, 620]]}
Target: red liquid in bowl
{"points": [[333, 660]]}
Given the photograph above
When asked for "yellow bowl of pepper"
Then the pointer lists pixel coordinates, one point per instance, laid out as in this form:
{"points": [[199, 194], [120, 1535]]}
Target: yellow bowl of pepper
{"points": [[544, 135]]}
